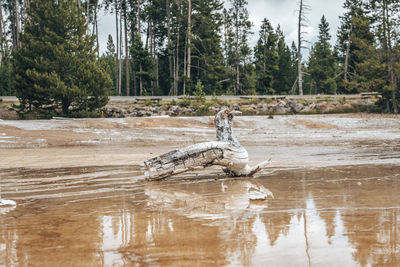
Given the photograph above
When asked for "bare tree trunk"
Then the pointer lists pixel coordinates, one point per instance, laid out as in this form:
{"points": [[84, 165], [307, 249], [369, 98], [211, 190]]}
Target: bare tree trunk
{"points": [[133, 65], [97, 30], [16, 24], [184, 67], [1, 33], [226, 152], [87, 15], [117, 54], [147, 35], [237, 58], [126, 56], [176, 76], [153, 54], [173, 76], [393, 82], [189, 40], [156, 85], [120, 56], [300, 72], [24, 15], [346, 61], [134, 79], [140, 80], [140, 64], [169, 46]]}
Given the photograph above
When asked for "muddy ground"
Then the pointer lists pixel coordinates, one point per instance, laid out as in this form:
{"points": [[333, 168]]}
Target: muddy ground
{"points": [[329, 197]]}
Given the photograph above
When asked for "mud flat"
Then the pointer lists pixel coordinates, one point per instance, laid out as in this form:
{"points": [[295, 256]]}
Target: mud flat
{"points": [[330, 196]]}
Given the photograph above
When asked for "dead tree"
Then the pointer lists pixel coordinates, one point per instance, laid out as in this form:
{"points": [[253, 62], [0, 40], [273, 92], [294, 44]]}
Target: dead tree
{"points": [[303, 8], [226, 152]]}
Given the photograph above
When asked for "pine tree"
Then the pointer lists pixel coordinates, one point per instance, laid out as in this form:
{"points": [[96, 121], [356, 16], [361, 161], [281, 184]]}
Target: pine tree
{"points": [[357, 49], [344, 37], [55, 67], [142, 57], [241, 31], [207, 52], [108, 61], [266, 58], [5, 60], [385, 14], [286, 75], [322, 65], [228, 52]]}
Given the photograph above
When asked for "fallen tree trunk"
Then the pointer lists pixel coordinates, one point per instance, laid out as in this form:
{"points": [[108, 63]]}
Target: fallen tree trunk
{"points": [[226, 152]]}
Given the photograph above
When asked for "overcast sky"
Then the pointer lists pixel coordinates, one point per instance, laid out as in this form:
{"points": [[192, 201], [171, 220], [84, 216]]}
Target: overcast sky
{"points": [[283, 12]]}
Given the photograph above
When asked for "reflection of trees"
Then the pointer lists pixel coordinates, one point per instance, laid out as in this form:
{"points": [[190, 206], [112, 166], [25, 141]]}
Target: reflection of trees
{"points": [[370, 221], [277, 224], [288, 201], [8, 252], [44, 233], [205, 222], [371, 215], [365, 194]]}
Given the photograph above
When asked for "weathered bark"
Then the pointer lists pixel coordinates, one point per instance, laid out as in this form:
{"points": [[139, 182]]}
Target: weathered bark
{"points": [[140, 64], [97, 29], [300, 72], [171, 90], [16, 28], [237, 91], [1, 33], [126, 55], [189, 41], [226, 152], [184, 68], [346, 61], [117, 54], [120, 56], [88, 15], [176, 75]]}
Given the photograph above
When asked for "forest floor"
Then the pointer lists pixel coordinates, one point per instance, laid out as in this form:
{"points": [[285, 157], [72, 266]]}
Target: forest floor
{"points": [[330, 194]]}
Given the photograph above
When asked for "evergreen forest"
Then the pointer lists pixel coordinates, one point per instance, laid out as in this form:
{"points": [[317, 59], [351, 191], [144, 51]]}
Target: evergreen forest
{"points": [[49, 52]]}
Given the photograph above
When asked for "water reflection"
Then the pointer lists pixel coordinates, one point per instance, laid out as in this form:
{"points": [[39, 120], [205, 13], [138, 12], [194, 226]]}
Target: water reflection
{"points": [[229, 199], [344, 216]]}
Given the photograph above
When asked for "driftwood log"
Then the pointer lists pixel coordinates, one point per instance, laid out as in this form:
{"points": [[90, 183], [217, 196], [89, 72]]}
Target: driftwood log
{"points": [[226, 152]]}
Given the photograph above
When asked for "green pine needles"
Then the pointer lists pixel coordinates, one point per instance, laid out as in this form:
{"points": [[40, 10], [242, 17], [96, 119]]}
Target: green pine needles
{"points": [[56, 72]]}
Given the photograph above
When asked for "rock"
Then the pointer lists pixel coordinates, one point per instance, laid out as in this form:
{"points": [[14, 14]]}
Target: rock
{"points": [[294, 106], [262, 108], [279, 109], [175, 110], [141, 113], [281, 103]]}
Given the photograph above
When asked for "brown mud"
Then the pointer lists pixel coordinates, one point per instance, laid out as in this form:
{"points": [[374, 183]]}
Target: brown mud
{"points": [[330, 197]]}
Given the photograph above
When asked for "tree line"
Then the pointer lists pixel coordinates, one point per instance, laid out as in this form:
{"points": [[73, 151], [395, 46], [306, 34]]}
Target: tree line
{"points": [[166, 47]]}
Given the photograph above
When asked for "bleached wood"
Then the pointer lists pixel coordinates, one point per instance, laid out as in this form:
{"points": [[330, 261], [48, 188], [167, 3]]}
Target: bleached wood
{"points": [[226, 152]]}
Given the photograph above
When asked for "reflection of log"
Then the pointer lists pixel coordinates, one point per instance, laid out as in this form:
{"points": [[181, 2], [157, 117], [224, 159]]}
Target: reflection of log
{"points": [[234, 198], [227, 152]]}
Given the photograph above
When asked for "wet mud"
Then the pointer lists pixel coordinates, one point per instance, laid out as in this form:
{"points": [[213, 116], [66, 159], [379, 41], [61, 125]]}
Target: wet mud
{"points": [[330, 197]]}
